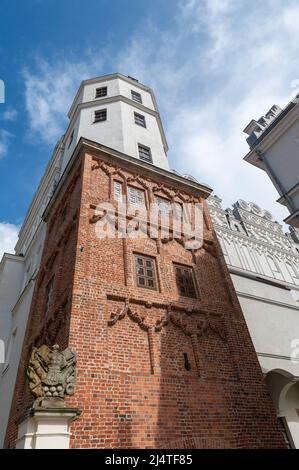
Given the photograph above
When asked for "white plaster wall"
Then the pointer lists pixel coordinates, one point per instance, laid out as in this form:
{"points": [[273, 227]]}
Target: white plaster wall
{"points": [[149, 136], [125, 90], [109, 132], [19, 284], [89, 90], [283, 157], [272, 317], [11, 279]]}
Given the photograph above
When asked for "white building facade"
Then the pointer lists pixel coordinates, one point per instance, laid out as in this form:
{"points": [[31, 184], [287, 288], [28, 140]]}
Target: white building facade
{"points": [[274, 148], [264, 267], [115, 111]]}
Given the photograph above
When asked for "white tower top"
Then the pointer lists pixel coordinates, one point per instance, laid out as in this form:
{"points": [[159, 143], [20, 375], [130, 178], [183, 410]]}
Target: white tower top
{"points": [[120, 113]]}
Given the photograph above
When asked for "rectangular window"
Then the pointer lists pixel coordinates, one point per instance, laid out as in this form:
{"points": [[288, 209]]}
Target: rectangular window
{"points": [[100, 115], [71, 138], [136, 196], [139, 119], [100, 92], [185, 281], [145, 272], [145, 153], [49, 295], [136, 96], [118, 191], [163, 204]]}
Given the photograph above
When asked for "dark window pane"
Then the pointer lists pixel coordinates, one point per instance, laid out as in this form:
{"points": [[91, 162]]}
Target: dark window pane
{"points": [[185, 282], [101, 92], [136, 96], [145, 272]]}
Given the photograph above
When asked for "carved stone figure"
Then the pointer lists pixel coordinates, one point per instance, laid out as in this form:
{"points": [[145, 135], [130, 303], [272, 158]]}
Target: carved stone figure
{"points": [[52, 375]]}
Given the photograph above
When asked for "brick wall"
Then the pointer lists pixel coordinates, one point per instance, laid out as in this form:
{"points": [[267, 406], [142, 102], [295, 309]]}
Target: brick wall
{"points": [[132, 386]]}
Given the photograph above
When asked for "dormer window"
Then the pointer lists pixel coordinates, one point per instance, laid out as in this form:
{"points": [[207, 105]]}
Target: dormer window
{"points": [[101, 92], [136, 96], [100, 115]]}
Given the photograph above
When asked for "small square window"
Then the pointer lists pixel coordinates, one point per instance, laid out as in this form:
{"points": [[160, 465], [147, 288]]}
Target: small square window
{"points": [[139, 119], [145, 153], [145, 277], [185, 281], [136, 196], [100, 92], [100, 115], [136, 96]]}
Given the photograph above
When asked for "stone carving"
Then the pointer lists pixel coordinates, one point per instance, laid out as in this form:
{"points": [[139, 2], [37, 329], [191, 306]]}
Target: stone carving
{"points": [[52, 375]]}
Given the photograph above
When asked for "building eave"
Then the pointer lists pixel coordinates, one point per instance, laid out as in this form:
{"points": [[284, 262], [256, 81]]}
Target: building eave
{"points": [[275, 130], [86, 145]]}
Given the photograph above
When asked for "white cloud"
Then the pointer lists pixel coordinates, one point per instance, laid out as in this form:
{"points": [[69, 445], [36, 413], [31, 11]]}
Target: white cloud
{"points": [[222, 66], [10, 114], [8, 238], [219, 64], [5, 138], [49, 91]]}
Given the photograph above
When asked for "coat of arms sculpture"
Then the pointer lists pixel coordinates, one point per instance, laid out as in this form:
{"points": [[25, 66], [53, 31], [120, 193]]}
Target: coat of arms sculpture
{"points": [[52, 375]]}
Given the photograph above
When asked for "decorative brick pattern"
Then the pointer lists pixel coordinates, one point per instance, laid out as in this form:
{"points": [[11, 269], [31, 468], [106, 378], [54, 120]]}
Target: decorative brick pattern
{"points": [[133, 386]]}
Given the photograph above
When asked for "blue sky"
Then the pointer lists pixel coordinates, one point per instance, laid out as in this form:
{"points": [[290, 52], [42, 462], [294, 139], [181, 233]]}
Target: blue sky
{"points": [[213, 64]]}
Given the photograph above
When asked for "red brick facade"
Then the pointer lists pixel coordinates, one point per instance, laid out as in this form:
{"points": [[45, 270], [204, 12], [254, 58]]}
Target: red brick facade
{"points": [[132, 343]]}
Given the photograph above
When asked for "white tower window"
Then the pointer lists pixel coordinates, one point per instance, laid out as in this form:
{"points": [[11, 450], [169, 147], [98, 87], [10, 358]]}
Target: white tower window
{"points": [[100, 92], [139, 119], [136, 96], [100, 115], [145, 153]]}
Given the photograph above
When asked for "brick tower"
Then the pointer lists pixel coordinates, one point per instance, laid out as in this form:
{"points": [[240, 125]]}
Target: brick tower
{"points": [[164, 357]]}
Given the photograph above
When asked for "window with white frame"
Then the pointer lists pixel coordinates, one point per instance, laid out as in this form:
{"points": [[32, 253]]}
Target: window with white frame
{"points": [[136, 196]]}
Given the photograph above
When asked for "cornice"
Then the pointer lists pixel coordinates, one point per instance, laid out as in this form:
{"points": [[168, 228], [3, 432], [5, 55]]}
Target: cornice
{"points": [[253, 242], [268, 139], [131, 164], [106, 78]]}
